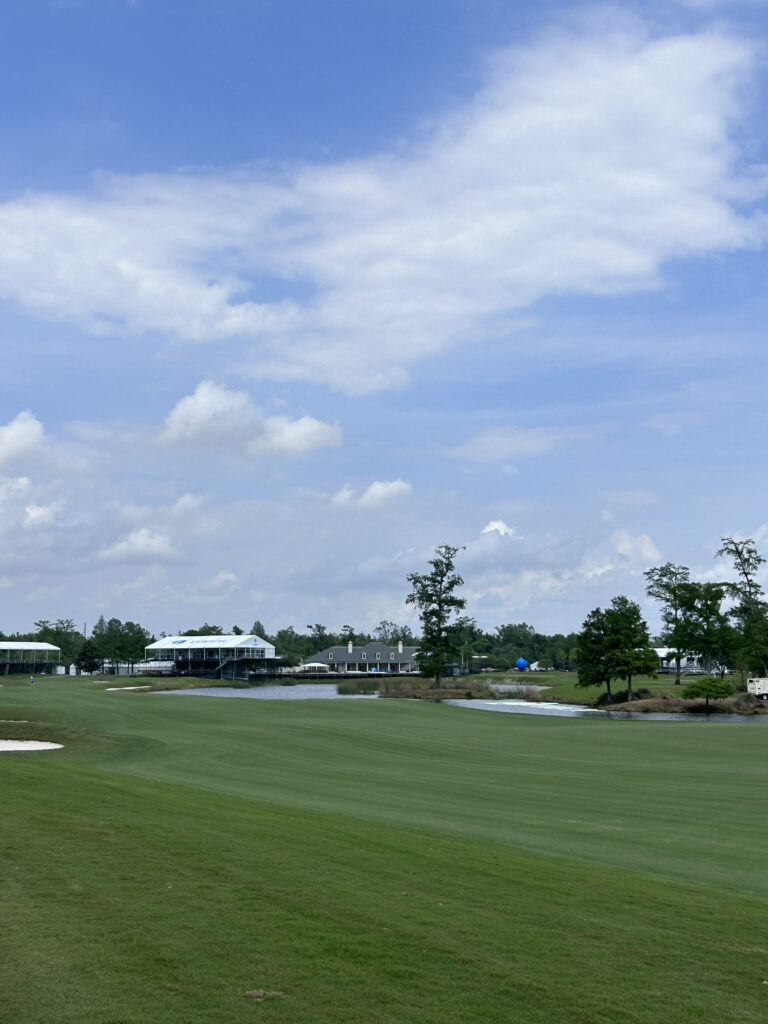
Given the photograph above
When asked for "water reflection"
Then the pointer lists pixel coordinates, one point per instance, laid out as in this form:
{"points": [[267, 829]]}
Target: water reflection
{"points": [[302, 691], [523, 707]]}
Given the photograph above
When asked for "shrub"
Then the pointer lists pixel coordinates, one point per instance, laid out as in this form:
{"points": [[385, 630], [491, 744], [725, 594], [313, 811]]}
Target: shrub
{"points": [[746, 702], [622, 696], [709, 689]]}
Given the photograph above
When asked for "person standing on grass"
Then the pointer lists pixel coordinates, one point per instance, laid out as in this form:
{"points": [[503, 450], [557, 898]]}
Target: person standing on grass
{"points": [[31, 680]]}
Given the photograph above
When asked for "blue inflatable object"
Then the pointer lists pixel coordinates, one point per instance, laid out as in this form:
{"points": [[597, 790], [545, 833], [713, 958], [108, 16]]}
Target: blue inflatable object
{"points": [[522, 664]]}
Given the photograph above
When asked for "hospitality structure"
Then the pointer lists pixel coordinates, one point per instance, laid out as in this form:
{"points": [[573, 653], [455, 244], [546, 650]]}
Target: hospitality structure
{"points": [[211, 657], [29, 656]]}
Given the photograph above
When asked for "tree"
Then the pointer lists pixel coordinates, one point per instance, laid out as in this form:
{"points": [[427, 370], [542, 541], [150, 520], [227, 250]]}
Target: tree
{"points": [[319, 634], [592, 651], [467, 633], [257, 629], [118, 641], [434, 594], [614, 644], [709, 689], [63, 633], [630, 653], [665, 584], [205, 630], [707, 629], [98, 635], [133, 642], [751, 611], [88, 659], [391, 633]]}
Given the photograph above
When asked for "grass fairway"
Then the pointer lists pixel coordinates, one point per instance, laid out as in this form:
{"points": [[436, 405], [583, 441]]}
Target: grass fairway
{"points": [[376, 861]]}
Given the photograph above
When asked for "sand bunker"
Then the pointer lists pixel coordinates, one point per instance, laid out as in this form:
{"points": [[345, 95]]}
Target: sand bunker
{"points": [[27, 745], [114, 689]]}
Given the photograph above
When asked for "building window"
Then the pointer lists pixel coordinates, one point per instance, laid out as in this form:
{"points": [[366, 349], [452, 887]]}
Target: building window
{"points": [[378, 655], [392, 656], [330, 656], [363, 655]]}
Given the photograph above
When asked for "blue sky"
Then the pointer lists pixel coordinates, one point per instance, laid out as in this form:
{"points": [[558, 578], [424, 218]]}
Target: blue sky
{"points": [[292, 292]]}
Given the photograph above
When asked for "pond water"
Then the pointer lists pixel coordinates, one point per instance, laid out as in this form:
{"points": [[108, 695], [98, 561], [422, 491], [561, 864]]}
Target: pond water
{"points": [[302, 691], [329, 691], [524, 707], [517, 687]]}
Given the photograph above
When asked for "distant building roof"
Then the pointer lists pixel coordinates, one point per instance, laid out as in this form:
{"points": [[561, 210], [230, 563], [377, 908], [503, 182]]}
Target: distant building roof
{"points": [[363, 652], [26, 645], [210, 642]]}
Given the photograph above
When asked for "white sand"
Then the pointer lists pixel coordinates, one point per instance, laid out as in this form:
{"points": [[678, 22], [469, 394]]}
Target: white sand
{"points": [[27, 745], [114, 689]]}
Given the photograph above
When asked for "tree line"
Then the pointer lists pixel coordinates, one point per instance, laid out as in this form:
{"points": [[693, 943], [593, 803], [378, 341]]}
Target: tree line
{"points": [[110, 641], [725, 623], [475, 648]]}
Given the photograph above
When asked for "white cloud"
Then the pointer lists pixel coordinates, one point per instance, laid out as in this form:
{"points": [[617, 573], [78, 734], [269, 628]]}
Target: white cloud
{"points": [[216, 417], [294, 437], [376, 494], [187, 503], [344, 496], [382, 491], [640, 548], [510, 442], [13, 486], [142, 545], [40, 515], [585, 162], [20, 437], [500, 527]]}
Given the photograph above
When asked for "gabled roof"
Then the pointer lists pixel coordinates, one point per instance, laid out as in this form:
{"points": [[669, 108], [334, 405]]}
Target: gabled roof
{"points": [[341, 652]]}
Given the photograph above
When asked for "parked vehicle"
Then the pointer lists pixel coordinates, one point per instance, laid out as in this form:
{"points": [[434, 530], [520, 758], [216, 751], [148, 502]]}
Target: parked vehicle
{"points": [[759, 687]]}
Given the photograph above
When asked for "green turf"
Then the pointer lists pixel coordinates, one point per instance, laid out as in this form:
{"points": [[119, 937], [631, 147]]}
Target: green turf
{"points": [[563, 686], [376, 861]]}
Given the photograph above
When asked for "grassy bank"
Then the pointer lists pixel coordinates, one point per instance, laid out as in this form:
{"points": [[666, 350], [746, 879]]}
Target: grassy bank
{"points": [[376, 861]]}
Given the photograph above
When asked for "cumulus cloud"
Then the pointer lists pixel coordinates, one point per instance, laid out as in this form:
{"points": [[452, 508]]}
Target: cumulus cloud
{"points": [[584, 162], [218, 417], [500, 527], [640, 548], [141, 545], [20, 437], [544, 572], [378, 493]]}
